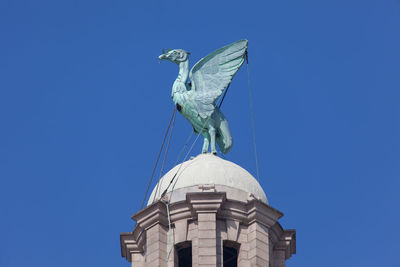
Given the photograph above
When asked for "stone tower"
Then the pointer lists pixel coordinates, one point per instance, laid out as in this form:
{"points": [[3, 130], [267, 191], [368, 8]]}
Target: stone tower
{"points": [[213, 213]]}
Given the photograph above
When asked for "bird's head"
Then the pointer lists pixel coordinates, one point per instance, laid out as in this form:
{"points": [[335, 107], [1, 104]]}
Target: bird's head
{"points": [[176, 55]]}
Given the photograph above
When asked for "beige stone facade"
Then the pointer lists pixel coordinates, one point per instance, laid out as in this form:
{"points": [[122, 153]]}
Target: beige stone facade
{"points": [[208, 220], [207, 212]]}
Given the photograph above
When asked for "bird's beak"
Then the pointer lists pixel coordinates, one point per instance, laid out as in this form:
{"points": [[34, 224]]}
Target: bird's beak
{"points": [[161, 57]]}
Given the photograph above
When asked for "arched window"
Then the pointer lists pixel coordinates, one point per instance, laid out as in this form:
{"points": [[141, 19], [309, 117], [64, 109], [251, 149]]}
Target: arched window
{"points": [[230, 253], [183, 254]]}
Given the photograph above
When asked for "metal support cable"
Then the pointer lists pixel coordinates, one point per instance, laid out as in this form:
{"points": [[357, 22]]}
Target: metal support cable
{"points": [[252, 117], [187, 154], [165, 154], [158, 157], [223, 97], [184, 147]]}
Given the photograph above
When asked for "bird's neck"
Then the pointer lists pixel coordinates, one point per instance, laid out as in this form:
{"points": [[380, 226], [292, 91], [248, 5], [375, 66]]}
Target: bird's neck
{"points": [[183, 71], [179, 86]]}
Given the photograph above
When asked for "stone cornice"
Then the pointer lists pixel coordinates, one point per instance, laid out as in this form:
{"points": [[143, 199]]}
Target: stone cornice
{"points": [[287, 243], [132, 243], [206, 201], [181, 210], [275, 232], [153, 214], [263, 213], [236, 212]]}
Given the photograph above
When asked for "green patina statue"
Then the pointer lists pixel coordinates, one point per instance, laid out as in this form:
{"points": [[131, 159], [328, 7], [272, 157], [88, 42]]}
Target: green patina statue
{"points": [[209, 77]]}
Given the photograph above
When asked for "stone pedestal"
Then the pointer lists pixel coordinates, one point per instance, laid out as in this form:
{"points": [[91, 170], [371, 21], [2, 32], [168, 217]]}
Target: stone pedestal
{"points": [[208, 220], [213, 211]]}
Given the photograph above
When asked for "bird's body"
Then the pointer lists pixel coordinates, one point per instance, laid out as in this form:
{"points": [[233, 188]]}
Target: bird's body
{"points": [[196, 100], [183, 97]]}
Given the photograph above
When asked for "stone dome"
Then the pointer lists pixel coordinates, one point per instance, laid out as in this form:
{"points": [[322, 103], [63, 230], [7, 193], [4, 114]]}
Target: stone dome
{"points": [[208, 172]]}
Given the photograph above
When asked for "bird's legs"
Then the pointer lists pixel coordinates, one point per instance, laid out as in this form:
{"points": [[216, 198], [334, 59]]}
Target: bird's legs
{"points": [[210, 138], [205, 144], [212, 132]]}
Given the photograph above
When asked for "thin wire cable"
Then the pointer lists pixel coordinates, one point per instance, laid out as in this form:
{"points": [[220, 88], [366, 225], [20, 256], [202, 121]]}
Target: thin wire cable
{"points": [[184, 147], [166, 151], [169, 234], [165, 154], [223, 97], [158, 157], [177, 159], [252, 117], [180, 166]]}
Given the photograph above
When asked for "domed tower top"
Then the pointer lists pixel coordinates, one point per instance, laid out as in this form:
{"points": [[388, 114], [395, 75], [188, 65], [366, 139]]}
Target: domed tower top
{"points": [[205, 172], [208, 211]]}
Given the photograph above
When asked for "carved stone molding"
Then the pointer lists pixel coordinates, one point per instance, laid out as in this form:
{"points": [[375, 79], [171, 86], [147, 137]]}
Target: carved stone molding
{"points": [[208, 219]]}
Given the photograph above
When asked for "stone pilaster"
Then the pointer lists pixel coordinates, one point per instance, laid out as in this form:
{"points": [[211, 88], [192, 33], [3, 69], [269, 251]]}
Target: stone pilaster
{"points": [[195, 243], [243, 252], [156, 246], [206, 206], [207, 221], [153, 220], [258, 240]]}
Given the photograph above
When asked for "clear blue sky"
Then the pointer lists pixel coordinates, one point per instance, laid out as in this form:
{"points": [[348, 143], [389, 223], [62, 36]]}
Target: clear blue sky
{"points": [[84, 105]]}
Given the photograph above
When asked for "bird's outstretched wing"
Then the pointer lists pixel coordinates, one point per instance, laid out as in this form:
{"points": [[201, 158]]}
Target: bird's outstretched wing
{"points": [[213, 73]]}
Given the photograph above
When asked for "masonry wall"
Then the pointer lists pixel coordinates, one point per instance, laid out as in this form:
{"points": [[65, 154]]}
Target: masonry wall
{"points": [[207, 221]]}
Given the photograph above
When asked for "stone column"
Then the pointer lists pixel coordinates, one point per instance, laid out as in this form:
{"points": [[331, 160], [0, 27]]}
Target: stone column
{"points": [[156, 246], [258, 240], [206, 206], [153, 221], [244, 248]]}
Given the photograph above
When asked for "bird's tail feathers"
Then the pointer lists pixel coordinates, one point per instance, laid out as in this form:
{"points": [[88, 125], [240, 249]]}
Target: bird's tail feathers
{"points": [[224, 137]]}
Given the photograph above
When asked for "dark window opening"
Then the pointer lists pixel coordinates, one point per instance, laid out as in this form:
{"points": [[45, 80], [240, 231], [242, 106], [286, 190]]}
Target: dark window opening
{"points": [[230, 253], [184, 254]]}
